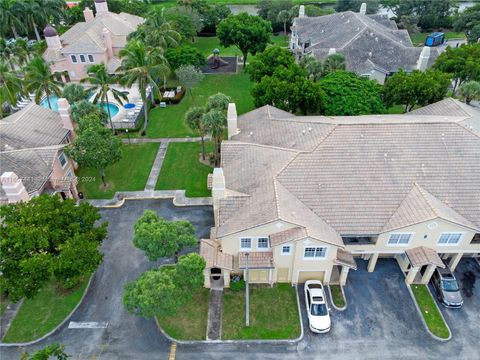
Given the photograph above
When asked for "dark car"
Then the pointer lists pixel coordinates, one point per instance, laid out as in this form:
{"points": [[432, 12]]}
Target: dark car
{"points": [[447, 289]]}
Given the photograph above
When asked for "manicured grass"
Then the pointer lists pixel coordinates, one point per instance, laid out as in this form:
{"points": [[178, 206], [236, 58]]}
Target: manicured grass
{"points": [[190, 321], [170, 121], [273, 313], [419, 38], [41, 314], [182, 170], [206, 45], [429, 311], [129, 174], [395, 109], [337, 296]]}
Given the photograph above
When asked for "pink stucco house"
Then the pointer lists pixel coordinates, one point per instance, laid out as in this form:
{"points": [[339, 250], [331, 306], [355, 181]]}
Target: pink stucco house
{"points": [[97, 40]]}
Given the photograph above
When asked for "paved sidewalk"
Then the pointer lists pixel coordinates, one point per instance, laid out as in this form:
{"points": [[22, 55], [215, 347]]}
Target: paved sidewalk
{"points": [[157, 166], [8, 316], [162, 140], [214, 326]]}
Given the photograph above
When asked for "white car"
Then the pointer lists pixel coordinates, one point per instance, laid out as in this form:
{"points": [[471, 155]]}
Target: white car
{"points": [[317, 307]]}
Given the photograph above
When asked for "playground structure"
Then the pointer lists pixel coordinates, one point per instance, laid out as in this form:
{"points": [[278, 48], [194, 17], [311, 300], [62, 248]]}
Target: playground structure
{"points": [[217, 64], [215, 61]]}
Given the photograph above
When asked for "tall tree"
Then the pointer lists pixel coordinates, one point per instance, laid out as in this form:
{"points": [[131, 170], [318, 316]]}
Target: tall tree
{"points": [[469, 91], [284, 17], [334, 62], [40, 80], [33, 240], [11, 17], [102, 84], [11, 86], [194, 120], [189, 76], [266, 62], [143, 66], [184, 55], [269, 10], [354, 5], [469, 22], [73, 93], [215, 121], [250, 34], [313, 67], [161, 238], [84, 108], [95, 146]]}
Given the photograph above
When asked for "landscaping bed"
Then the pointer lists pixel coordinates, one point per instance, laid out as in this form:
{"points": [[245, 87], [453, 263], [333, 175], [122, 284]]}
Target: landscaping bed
{"points": [[190, 321], [41, 314], [430, 312], [182, 169], [337, 296], [267, 321], [129, 174]]}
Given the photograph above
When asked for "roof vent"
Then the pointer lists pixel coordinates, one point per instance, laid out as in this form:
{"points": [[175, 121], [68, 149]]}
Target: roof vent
{"points": [[303, 132], [376, 38], [369, 54], [309, 129], [250, 134]]}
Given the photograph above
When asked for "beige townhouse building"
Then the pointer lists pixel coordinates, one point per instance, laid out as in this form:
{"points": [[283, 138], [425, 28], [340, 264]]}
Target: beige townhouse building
{"points": [[305, 196]]}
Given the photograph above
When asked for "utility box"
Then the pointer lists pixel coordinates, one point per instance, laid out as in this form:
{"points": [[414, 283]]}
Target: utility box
{"points": [[435, 39]]}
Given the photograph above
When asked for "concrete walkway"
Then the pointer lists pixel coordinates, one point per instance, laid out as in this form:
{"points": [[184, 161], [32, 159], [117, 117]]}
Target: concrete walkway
{"points": [[214, 325], [163, 140], [8, 316], [157, 166]]}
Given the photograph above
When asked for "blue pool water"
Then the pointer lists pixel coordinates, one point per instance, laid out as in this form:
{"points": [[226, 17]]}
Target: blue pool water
{"points": [[54, 103]]}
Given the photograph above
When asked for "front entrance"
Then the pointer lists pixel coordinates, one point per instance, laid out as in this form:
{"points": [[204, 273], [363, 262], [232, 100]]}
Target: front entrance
{"points": [[258, 276], [310, 275]]}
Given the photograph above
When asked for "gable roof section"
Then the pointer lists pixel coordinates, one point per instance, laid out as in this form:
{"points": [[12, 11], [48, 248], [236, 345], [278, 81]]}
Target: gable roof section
{"points": [[285, 236]]}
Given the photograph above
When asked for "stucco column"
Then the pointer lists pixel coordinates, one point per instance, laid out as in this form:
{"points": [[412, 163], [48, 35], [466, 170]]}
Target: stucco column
{"points": [[343, 275], [226, 278], [411, 275], [372, 262], [428, 274], [454, 261], [206, 274]]}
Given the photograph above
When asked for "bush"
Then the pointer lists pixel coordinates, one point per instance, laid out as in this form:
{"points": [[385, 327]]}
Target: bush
{"points": [[184, 55], [237, 285]]}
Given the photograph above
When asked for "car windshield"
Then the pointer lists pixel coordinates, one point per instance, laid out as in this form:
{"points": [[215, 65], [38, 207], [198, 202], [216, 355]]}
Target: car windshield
{"points": [[449, 285], [318, 309]]}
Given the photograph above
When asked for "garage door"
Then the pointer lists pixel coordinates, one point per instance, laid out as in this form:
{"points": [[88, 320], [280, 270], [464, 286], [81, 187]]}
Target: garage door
{"points": [[310, 275], [258, 276], [282, 275]]}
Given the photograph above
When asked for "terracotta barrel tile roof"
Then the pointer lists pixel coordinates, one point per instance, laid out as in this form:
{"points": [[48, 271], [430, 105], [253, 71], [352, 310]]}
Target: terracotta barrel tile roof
{"points": [[214, 257], [285, 236], [256, 260], [344, 258], [421, 256]]}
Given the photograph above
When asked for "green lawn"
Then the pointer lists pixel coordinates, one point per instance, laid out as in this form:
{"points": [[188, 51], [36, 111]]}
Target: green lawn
{"points": [[266, 320], [41, 314], [419, 38], [429, 311], [337, 296], [206, 45], [169, 121], [182, 170], [190, 321], [171, 3], [129, 174]]}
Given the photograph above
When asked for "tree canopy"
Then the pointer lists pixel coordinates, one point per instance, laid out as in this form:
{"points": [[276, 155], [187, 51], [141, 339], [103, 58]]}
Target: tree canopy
{"points": [[266, 62], [47, 237], [85, 108], [159, 237], [184, 55], [354, 5], [469, 91], [469, 22], [349, 94], [250, 34]]}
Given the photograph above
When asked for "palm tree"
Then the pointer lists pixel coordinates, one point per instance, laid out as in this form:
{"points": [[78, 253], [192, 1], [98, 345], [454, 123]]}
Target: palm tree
{"points": [[313, 67], [334, 62], [284, 16], [39, 79], [11, 86], [7, 53], [102, 82], [158, 30], [144, 67], [469, 90], [73, 93], [194, 120], [215, 121], [11, 16]]}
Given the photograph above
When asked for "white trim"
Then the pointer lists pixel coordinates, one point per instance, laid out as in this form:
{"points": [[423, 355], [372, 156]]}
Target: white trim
{"points": [[315, 257], [263, 248], [246, 248], [84, 58], [327, 274], [462, 234], [289, 249], [88, 58], [400, 233], [66, 160], [73, 56]]}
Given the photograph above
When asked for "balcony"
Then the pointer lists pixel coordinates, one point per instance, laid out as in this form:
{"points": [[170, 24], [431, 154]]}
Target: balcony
{"points": [[359, 240]]}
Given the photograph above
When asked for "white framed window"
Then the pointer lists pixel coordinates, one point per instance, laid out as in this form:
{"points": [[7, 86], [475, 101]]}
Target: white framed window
{"points": [[286, 249], [82, 58], [400, 239], [449, 239], [262, 243], [315, 252], [63, 159], [74, 59], [245, 243], [90, 58]]}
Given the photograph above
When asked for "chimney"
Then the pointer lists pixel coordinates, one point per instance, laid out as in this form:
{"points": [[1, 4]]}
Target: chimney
{"points": [[52, 38], [14, 188], [332, 51], [232, 120], [101, 7], [107, 40], [64, 112], [363, 9], [218, 184], [88, 14], [301, 11], [422, 62]]}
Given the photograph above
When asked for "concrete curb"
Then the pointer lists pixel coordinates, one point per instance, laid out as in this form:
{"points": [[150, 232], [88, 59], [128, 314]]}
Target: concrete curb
{"points": [[58, 326], [246, 342], [333, 303], [423, 319]]}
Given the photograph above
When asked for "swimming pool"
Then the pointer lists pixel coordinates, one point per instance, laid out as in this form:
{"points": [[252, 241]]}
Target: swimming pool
{"points": [[54, 103]]}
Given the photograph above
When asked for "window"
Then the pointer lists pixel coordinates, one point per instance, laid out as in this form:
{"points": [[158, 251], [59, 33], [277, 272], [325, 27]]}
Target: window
{"points": [[63, 159], [286, 249], [82, 58], [262, 243], [316, 252], [399, 239], [449, 239], [245, 243], [74, 59], [90, 58]]}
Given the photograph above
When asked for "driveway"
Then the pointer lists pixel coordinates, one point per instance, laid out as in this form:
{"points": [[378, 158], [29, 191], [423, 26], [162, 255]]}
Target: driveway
{"points": [[126, 336]]}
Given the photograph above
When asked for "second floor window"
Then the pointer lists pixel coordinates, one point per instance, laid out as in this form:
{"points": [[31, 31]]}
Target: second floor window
{"points": [[63, 159], [262, 243], [286, 250], [245, 243], [82, 58], [399, 239], [315, 252], [74, 59], [90, 58], [449, 239]]}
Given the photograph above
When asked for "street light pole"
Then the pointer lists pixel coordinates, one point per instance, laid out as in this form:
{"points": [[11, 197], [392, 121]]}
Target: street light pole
{"points": [[128, 136], [247, 309]]}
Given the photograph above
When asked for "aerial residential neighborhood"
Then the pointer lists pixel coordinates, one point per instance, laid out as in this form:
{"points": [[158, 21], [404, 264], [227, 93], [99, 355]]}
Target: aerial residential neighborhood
{"points": [[239, 179]]}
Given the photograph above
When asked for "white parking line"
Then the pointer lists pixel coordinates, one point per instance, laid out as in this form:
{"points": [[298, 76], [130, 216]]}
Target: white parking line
{"points": [[87, 325]]}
